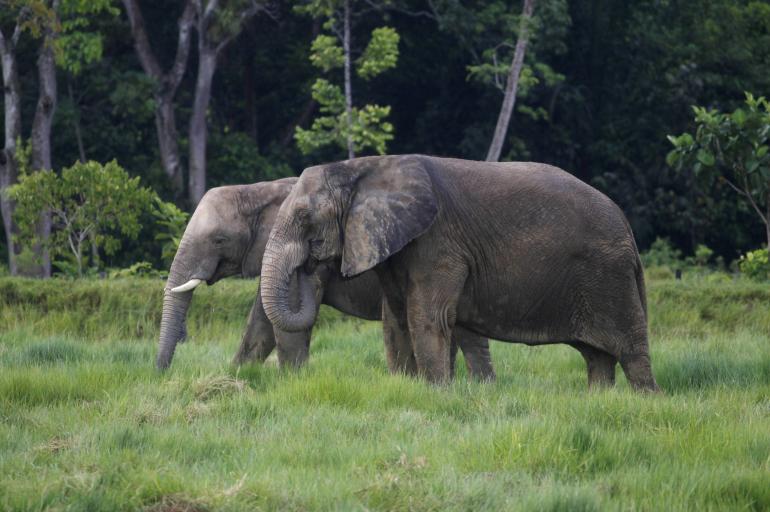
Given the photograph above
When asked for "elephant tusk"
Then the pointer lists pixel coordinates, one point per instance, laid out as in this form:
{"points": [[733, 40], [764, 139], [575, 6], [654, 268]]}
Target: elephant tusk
{"points": [[189, 285]]}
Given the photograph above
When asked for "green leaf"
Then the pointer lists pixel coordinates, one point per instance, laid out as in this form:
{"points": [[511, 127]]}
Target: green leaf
{"points": [[326, 54], [380, 54], [673, 157], [705, 157], [739, 117]]}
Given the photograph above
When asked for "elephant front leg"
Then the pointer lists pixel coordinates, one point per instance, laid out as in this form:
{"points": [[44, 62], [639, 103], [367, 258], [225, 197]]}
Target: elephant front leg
{"points": [[431, 312], [398, 344], [258, 340], [475, 349]]}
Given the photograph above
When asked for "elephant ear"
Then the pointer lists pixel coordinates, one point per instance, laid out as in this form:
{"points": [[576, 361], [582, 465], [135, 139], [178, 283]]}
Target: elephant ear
{"points": [[390, 206]]}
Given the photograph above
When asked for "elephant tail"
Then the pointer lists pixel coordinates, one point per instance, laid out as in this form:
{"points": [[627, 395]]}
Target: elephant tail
{"points": [[638, 271], [640, 286]]}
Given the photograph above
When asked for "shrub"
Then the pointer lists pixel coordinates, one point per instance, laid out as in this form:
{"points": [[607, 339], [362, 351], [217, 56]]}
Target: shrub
{"points": [[174, 222], [703, 255], [661, 254], [139, 269], [755, 265], [91, 204]]}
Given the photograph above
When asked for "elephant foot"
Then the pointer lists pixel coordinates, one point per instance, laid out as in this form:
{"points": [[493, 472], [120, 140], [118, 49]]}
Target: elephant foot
{"points": [[639, 372]]}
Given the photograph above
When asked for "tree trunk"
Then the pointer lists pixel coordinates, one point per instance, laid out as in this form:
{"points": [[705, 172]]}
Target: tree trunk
{"points": [[207, 63], [41, 144], [8, 169], [165, 126], [348, 84], [166, 85], [512, 84]]}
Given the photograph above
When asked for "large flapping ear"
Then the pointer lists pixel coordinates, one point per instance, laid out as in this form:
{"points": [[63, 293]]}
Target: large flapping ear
{"points": [[262, 201], [391, 205]]}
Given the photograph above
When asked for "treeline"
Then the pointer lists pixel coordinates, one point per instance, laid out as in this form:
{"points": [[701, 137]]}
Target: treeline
{"points": [[191, 94]]}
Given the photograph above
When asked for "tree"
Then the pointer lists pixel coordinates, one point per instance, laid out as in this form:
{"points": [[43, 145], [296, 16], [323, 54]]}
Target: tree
{"points": [[12, 106], [342, 124], [88, 201], [165, 84], [40, 19], [731, 148], [217, 25], [512, 83], [57, 25]]}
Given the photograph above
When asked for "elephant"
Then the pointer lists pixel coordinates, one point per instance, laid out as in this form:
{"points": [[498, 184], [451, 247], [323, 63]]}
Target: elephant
{"points": [[521, 252], [226, 236]]}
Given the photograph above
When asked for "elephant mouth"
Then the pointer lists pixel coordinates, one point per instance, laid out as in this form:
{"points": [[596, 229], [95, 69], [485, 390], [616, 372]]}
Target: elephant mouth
{"points": [[223, 271]]}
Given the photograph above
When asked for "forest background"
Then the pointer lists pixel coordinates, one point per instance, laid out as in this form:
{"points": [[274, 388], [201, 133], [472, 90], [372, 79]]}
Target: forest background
{"points": [[604, 83]]}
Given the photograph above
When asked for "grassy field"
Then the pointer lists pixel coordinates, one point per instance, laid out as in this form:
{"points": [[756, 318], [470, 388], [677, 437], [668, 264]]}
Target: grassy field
{"points": [[87, 424]]}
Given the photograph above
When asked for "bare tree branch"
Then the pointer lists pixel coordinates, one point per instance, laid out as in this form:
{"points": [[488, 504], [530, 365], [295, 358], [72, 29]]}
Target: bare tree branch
{"points": [[751, 198], [176, 72], [511, 86], [211, 8], [141, 42]]}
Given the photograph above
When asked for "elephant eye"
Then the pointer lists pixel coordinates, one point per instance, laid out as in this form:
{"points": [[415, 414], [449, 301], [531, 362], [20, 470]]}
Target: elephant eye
{"points": [[219, 241]]}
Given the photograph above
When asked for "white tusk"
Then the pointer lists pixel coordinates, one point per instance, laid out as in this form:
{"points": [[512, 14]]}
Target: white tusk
{"points": [[189, 285]]}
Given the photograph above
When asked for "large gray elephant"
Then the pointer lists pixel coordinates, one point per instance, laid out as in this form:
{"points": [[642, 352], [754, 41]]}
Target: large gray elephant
{"points": [[520, 252], [226, 236]]}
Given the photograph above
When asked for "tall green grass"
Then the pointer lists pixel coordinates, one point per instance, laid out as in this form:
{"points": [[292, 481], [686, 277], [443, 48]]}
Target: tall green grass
{"points": [[87, 424]]}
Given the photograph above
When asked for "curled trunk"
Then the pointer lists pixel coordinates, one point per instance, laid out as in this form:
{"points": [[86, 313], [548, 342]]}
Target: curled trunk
{"points": [[284, 284]]}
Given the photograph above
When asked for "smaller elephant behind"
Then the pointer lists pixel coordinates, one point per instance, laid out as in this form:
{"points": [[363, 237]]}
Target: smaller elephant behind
{"points": [[226, 236]]}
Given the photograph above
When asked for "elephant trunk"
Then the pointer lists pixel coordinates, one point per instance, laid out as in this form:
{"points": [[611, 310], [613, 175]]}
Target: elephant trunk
{"points": [[282, 264], [175, 305]]}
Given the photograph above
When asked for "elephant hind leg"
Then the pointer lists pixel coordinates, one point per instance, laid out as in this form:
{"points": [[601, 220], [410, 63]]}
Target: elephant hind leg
{"points": [[600, 364], [476, 352], [635, 361]]}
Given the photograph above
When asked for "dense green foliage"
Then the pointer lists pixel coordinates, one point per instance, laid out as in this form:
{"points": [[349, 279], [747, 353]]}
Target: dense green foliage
{"points": [[756, 265], [91, 206], [604, 82], [86, 423]]}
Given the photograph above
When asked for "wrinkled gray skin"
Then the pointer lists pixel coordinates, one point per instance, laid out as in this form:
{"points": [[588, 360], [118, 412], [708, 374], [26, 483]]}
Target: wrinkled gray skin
{"points": [[521, 252], [226, 236]]}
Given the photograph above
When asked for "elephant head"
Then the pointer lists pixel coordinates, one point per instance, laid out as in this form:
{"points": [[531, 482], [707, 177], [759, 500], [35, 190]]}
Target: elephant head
{"points": [[226, 236], [356, 212]]}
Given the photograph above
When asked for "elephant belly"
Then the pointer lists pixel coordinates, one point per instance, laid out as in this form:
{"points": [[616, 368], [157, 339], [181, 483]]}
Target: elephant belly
{"points": [[530, 311]]}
